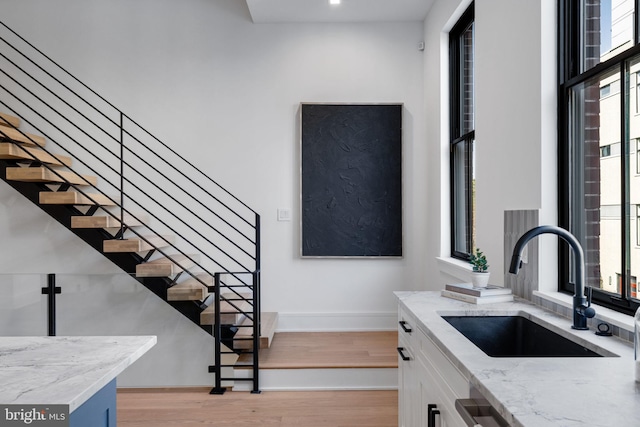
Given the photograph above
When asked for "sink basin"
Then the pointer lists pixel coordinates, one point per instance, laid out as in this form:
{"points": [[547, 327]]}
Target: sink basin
{"points": [[516, 336]]}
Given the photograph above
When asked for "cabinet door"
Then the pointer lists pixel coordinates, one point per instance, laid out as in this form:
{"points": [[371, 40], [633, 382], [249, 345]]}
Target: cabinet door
{"points": [[407, 384], [434, 398]]}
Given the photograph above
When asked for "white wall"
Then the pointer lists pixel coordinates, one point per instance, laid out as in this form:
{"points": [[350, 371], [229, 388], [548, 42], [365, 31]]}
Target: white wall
{"points": [[515, 121], [225, 92]]}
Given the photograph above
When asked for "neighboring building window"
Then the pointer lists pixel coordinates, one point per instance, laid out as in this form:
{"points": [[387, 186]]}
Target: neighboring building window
{"points": [[599, 188], [637, 156], [637, 92], [462, 167], [637, 225]]}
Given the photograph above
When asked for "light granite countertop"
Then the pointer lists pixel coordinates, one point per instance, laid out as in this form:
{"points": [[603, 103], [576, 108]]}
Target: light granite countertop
{"points": [[64, 370], [537, 392]]}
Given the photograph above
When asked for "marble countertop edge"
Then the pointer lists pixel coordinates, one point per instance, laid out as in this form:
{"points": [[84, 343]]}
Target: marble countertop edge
{"points": [[112, 373]]}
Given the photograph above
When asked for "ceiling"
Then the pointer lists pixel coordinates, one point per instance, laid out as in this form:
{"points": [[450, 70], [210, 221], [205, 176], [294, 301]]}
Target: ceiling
{"points": [[267, 11]]}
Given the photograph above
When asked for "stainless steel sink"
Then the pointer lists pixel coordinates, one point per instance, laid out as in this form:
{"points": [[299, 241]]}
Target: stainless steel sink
{"points": [[516, 336]]}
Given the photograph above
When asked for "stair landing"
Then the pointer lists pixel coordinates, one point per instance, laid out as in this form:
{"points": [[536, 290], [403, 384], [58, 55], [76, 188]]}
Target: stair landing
{"points": [[327, 361]]}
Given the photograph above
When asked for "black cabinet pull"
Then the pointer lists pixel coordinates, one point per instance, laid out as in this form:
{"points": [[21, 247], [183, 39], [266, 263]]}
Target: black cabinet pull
{"points": [[431, 408], [401, 353], [432, 419], [404, 327]]}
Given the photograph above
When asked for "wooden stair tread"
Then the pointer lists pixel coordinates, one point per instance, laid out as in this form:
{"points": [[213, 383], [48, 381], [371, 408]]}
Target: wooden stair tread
{"points": [[107, 221], [10, 134], [164, 267], [9, 121], [137, 244], [9, 151], [329, 350], [268, 323], [73, 198], [229, 315], [43, 174], [191, 289]]}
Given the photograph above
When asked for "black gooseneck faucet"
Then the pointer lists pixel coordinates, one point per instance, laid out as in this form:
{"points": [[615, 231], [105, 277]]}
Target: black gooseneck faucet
{"points": [[581, 305]]}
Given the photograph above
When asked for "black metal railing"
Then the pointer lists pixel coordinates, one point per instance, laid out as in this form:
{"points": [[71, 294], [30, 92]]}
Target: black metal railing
{"points": [[142, 180]]}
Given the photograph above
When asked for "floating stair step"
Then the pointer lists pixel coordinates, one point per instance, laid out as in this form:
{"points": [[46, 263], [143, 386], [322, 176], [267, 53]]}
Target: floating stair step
{"points": [[9, 134], [137, 244], [268, 323], [164, 267], [85, 221], [43, 174], [9, 151], [8, 120], [73, 198], [229, 315], [191, 289]]}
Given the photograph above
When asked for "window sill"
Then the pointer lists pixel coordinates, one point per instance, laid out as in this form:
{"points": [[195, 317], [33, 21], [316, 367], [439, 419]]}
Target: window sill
{"points": [[455, 267], [604, 314]]}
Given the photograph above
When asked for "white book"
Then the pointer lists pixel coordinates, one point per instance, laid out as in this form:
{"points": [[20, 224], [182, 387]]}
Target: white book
{"points": [[469, 289], [477, 300]]}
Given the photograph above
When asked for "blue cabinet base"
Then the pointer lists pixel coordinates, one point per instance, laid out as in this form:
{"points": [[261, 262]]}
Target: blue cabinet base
{"points": [[98, 411]]}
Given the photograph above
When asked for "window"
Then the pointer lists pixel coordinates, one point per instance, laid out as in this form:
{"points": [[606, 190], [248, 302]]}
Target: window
{"points": [[609, 89], [599, 188], [462, 167], [637, 156], [637, 93], [637, 225]]}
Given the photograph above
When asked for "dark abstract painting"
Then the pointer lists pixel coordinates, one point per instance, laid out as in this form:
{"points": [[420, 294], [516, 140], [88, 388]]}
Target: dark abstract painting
{"points": [[351, 180]]}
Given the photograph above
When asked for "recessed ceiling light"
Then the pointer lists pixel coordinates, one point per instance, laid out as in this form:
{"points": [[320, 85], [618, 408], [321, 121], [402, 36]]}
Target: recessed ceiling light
{"points": [[334, 1]]}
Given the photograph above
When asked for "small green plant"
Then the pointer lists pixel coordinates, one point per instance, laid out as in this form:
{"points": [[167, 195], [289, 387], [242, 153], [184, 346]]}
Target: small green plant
{"points": [[479, 261]]}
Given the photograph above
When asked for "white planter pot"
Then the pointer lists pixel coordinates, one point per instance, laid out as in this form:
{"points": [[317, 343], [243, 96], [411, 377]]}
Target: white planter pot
{"points": [[480, 280]]}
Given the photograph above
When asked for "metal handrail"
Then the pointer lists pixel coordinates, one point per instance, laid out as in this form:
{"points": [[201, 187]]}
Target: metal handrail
{"points": [[130, 151], [128, 128], [115, 108], [122, 162]]}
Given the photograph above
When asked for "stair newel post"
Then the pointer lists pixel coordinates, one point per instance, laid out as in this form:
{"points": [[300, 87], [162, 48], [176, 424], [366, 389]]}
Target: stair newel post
{"points": [[121, 234], [257, 327], [256, 331], [51, 290], [217, 337]]}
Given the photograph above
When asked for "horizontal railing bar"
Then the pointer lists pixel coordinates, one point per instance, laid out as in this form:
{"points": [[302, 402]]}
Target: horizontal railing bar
{"points": [[119, 111], [100, 191], [182, 205], [57, 65], [128, 149], [113, 170], [193, 166]]}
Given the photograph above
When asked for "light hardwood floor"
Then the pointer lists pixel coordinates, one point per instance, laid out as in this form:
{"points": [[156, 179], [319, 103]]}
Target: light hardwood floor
{"points": [[195, 407], [273, 409]]}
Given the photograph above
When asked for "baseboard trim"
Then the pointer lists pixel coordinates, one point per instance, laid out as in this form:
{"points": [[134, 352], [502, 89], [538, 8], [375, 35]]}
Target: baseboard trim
{"points": [[336, 322], [323, 379]]}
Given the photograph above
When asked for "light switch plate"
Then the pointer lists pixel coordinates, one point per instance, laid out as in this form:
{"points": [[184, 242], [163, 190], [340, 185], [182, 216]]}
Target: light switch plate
{"points": [[284, 214]]}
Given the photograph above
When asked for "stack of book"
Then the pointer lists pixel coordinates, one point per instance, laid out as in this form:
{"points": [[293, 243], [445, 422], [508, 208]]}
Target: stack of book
{"points": [[466, 292]]}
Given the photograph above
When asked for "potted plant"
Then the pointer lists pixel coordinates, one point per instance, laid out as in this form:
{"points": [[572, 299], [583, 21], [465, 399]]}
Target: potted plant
{"points": [[480, 273]]}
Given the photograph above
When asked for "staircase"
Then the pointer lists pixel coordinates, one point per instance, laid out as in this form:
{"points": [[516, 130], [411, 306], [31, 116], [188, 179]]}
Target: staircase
{"points": [[134, 199]]}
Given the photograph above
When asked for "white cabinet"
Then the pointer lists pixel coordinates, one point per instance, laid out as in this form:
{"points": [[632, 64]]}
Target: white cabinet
{"points": [[428, 382]]}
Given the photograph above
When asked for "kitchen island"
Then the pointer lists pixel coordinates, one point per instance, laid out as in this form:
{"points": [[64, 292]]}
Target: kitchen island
{"points": [[73, 376], [526, 391]]}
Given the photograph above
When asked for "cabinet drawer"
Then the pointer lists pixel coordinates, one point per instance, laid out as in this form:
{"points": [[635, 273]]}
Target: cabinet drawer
{"points": [[407, 329], [406, 322]]}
